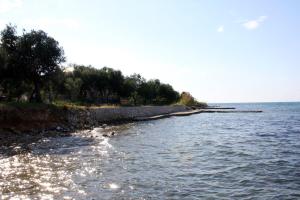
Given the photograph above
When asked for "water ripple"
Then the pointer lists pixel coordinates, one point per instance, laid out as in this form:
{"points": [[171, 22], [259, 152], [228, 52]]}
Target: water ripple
{"points": [[205, 156]]}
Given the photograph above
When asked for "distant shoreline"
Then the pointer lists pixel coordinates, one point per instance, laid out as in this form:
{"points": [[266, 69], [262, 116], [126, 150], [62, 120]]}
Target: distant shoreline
{"points": [[263, 102]]}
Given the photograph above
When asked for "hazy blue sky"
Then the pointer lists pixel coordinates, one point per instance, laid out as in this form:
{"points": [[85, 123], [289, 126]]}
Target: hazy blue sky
{"points": [[220, 51]]}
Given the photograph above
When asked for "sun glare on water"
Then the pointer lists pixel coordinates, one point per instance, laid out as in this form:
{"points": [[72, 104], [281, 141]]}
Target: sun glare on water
{"points": [[113, 186]]}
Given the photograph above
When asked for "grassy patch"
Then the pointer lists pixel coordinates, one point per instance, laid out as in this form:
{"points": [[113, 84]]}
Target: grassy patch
{"points": [[82, 105], [54, 105]]}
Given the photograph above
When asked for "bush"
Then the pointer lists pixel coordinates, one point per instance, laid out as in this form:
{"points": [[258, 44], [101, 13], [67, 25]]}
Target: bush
{"points": [[187, 99]]}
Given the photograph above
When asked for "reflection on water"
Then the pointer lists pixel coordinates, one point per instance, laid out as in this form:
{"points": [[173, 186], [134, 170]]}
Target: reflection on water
{"points": [[227, 156], [27, 174], [49, 170]]}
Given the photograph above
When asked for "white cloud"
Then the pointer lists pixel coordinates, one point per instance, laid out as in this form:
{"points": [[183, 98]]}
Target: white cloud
{"points": [[254, 24], [46, 22], [220, 29], [8, 5]]}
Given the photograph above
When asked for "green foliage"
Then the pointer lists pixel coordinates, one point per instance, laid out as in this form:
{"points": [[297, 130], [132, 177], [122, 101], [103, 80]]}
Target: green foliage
{"points": [[72, 86], [30, 70], [187, 99], [98, 85], [32, 58], [167, 94], [41, 56]]}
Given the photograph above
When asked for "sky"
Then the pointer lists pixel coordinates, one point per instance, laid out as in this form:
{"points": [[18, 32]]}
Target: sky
{"points": [[219, 51]]}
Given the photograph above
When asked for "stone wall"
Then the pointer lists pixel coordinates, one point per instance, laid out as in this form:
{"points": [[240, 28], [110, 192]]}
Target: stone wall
{"points": [[101, 115], [72, 119]]}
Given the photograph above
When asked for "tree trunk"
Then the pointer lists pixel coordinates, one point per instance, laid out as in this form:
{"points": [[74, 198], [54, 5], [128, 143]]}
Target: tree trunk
{"points": [[36, 94], [50, 95]]}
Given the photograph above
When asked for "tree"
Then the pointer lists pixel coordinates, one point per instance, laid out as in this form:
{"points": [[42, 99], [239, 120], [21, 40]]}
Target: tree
{"points": [[131, 87], [73, 86], [9, 40], [167, 95], [149, 91], [54, 85], [30, 66], [41, 56], [2, 65], [11, 70], [93, 82], [116, 80]]}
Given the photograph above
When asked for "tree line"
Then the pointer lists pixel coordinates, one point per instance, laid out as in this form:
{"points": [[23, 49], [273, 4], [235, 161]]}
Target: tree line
{"points": [[31, 70]]}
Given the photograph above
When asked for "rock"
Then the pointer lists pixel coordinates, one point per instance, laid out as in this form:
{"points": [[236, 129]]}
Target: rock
{"points": [[104, 126], [58, 128], [112, 133], [65, 130], [105, 135], [15, 131]]}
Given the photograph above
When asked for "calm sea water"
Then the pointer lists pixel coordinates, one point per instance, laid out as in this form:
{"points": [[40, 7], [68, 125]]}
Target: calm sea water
{"points": [[204, 156]]}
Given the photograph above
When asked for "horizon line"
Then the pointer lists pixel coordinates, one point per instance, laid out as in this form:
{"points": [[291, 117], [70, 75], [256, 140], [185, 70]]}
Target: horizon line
{"points": [[253, 102]]}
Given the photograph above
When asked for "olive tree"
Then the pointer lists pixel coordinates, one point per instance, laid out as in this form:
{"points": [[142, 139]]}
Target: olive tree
{"points": [[41, 56]]}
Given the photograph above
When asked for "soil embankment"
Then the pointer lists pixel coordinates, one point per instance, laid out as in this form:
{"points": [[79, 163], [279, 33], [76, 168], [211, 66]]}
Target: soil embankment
{"points": [[21, 127], [68, 119]]}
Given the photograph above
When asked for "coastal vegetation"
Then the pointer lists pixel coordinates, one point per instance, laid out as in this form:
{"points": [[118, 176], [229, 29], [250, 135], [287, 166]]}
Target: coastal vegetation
{"points": [[187, 99], [31, 71]]}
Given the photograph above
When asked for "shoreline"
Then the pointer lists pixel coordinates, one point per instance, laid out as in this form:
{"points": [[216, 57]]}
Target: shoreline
{"points": [[22, 126], [19, 128], [18, 120], [34, 119]]}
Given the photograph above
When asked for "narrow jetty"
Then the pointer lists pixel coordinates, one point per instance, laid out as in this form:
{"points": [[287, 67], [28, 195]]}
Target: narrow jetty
{"points": [[220, 108], [196, 111]]}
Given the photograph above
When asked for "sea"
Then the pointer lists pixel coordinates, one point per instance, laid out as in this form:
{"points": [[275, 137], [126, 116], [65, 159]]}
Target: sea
{"points": [[202, 156]]}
